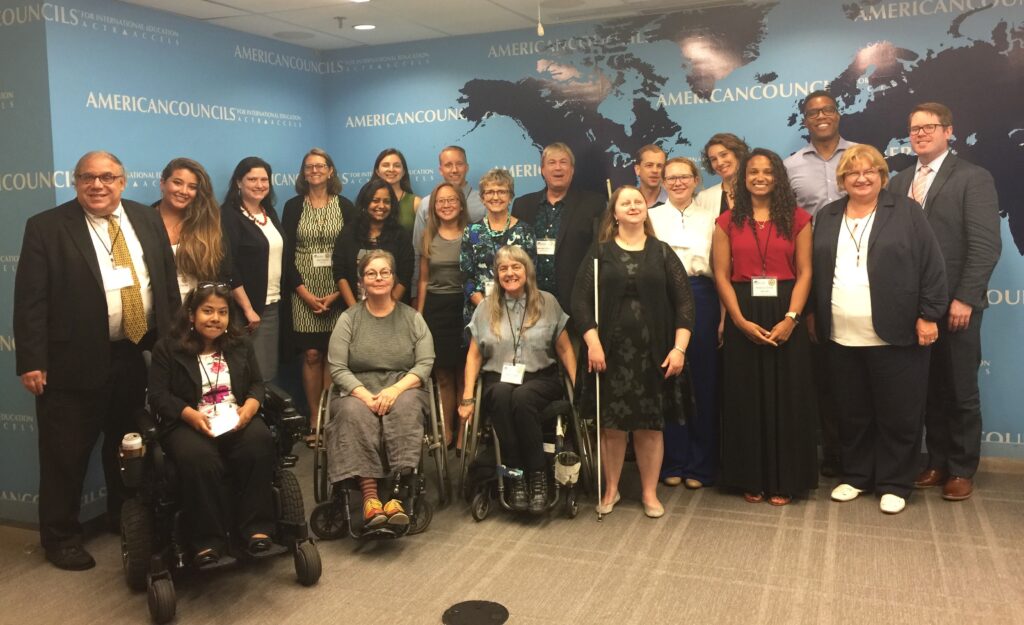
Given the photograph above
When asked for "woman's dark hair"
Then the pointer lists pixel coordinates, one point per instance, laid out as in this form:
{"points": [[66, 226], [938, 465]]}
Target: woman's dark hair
{"points": [[233, 198], [184, 334], [782, 201], [391, 225], [728, 141], [404, 183], [333, 183]]}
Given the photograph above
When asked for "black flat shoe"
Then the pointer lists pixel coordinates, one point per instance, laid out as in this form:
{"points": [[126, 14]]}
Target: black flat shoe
{"points": [[70, 558]]}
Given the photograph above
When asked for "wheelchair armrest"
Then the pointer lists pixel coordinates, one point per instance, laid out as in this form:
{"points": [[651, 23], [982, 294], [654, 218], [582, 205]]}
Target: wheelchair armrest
{"points": [[147, 425]]}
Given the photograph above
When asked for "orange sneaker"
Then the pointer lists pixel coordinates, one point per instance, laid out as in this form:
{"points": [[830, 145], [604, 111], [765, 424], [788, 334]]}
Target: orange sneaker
{"points": [[373, 513], [396, 513]]}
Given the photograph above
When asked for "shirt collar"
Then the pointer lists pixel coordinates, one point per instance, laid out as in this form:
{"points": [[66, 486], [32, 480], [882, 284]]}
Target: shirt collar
{"points": [[935, 164], [102, 221], [840, 147]]}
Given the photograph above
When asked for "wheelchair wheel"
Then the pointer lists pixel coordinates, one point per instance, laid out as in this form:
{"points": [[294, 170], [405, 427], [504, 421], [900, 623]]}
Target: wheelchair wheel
{"points": [[321, 485], [292, 512], [136, 542], [162, 601], [480, 507], [419, 522], [328, 521], [572, 504], [307, 563]]}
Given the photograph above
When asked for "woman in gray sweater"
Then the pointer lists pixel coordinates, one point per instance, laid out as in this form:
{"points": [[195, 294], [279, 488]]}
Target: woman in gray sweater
{"points": [[380, 356]]}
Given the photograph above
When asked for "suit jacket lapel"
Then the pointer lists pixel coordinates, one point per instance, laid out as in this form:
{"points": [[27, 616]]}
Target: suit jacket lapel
{"points": [[191, 365], [941, 177], [239, 378], [568, 204], [830, 230], [882, 215], [78, 230]]}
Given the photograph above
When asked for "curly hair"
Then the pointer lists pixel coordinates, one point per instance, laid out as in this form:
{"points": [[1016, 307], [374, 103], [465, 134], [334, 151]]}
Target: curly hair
{"points": [[184, 335], [782, 201]]}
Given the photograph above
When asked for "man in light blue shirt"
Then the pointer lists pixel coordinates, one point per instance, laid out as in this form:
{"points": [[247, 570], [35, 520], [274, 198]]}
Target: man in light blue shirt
{"points": [[453, 167], [812, 168]]}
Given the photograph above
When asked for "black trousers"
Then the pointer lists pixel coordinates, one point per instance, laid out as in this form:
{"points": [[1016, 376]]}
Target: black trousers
{"points": [[953, 414], [226, 482], [879, 398], [514, 411], [829, 422], [70, 422]]}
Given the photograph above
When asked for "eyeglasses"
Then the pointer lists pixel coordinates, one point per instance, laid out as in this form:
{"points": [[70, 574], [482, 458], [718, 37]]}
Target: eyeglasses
{"points": [[496, 192], [868, 174], [213, 285], [679, 178], [926, 129], [447, 201], [825, 110], [106, 178], [383, 274], [316, 167]]}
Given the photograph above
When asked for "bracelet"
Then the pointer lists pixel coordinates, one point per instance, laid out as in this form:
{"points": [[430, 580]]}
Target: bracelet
{"points": [[467, 401], [679, 349]]}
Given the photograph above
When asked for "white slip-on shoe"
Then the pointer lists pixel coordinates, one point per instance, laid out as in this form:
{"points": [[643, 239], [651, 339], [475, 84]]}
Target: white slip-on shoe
{"points": [[845, 492], [892, 504], [600, 508]]}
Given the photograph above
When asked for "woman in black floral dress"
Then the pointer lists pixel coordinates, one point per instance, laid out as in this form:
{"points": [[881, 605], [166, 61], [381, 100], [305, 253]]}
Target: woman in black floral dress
{"points": [[646, 313]]}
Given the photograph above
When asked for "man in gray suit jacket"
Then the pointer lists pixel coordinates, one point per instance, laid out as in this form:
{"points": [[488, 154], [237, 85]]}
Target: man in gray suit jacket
{"points": [[960, 201]]}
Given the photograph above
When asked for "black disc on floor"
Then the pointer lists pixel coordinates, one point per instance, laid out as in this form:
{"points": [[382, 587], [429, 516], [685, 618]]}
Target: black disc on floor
{"points": [[475, 613]]}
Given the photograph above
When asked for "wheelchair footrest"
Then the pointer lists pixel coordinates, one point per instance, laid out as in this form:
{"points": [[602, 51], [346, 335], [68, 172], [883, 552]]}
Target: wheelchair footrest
{"points": [[274, 550], [223, 561]]}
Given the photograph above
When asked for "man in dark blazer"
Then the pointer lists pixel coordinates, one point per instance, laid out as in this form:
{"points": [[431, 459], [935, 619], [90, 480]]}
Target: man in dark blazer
{"points": [[83, 313], [563, 219], [960, 201]]}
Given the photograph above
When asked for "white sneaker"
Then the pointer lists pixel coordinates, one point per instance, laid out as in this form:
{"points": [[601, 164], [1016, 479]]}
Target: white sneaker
{"points": [[845, 492], [892, 504]]}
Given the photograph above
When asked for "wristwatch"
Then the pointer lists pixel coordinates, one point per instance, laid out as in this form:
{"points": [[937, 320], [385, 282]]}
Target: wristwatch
{"points": [[467, 401], [795, 316]]}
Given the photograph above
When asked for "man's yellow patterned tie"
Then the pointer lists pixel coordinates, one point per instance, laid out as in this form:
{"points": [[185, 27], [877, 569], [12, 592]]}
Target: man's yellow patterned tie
{"points": [[133, 315]]}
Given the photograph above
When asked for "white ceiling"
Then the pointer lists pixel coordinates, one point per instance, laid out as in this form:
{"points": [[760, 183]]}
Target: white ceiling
{"points": [[312, 23]]}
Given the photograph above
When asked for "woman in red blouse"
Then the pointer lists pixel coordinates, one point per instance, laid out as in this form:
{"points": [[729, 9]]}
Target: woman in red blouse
{"points": [[761, 252]]}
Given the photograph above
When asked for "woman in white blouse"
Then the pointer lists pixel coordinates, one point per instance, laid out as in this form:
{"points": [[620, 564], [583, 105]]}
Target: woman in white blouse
{"points": [[687, 224]]}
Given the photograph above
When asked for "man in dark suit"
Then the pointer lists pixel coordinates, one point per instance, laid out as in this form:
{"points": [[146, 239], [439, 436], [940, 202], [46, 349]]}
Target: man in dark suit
{"points": [[563, 220], [95, 283], [960, 201]]}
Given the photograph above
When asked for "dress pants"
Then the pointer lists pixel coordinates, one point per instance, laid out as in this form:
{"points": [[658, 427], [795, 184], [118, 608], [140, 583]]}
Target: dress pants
{"points": [[206, 466], [953, 413], [879, 398], [514, 412], [70, 422]]}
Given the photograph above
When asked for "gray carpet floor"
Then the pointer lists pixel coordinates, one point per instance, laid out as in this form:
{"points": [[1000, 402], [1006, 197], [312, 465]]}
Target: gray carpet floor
{"points": [[713, 558]]}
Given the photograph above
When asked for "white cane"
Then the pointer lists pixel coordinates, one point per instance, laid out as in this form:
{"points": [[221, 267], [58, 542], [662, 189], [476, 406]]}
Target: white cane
{"points": [[597, 398]]}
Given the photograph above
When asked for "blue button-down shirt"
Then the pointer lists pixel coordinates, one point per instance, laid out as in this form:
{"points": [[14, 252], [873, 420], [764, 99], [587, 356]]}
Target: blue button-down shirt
{"points": [[813, 178]]}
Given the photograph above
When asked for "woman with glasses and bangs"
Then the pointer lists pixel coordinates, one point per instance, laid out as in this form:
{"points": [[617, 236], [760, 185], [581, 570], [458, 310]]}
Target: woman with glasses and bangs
{"points": [[311, 223], [205, 389]]}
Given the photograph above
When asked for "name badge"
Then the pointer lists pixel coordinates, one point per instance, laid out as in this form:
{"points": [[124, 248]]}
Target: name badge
{"points": [[488, 287], [321, 259], [764, 287], [117, 278], [546, 247], [512, 374]]}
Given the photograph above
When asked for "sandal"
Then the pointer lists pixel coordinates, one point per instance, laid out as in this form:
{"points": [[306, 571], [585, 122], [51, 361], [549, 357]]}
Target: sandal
{"points": [[753, 497], [780, 500], [258, 544]]}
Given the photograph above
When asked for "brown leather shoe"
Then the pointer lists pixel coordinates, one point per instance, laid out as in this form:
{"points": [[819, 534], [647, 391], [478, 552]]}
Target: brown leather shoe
{"points": [[958, 489], [929, 478]]}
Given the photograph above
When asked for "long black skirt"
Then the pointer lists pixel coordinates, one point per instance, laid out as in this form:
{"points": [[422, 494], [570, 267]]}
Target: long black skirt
{"points": [[769, 417]]}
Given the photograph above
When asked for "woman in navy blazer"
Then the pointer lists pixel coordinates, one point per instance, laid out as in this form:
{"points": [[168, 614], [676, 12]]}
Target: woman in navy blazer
{"points": [[879, 288]]}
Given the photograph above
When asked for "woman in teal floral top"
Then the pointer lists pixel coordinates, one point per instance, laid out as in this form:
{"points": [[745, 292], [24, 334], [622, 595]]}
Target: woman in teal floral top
{"points": [[482, 240]]}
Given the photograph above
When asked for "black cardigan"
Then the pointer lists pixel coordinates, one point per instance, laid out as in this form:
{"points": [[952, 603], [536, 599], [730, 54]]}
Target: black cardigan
{"points": [[175, 382], [249, 253]]}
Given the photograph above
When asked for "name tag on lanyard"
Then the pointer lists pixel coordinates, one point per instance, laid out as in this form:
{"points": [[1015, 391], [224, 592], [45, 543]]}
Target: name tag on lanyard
{"points": [[117, 278]]}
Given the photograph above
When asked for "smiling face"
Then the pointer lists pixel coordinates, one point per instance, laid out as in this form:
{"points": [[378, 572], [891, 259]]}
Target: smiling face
{"points": [[391, 169], [648, 170], [511, 276], [929, 146], [759, 177], [446, 205], [98, 197], [496, 197], [380, 206], [723, 161], [210, 318], [862, 182], [557, 170], [630, 208], [680, 181], [453, 167], [254, 186], [378, 278], [821, 118], [316, 170], [179, 189]]}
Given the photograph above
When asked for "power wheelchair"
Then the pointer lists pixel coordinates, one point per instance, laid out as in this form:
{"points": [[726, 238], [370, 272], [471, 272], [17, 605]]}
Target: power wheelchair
{"points": [[153, 544], [333, 518], [567, 440]]}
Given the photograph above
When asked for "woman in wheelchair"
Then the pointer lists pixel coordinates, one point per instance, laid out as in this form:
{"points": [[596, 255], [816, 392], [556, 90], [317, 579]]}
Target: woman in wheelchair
{"points": [[380, 355], [517, 333], [205, 388]]}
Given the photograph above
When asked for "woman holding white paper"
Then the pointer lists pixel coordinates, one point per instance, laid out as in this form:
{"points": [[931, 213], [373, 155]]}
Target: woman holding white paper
{"points": [[205, 387]]}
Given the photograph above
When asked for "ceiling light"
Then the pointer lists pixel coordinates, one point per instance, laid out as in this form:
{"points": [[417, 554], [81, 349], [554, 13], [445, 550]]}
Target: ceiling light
{"points": [[364, 27]]}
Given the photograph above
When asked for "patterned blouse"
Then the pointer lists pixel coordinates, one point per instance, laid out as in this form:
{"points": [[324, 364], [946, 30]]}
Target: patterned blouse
{"points": [[476, 258]]}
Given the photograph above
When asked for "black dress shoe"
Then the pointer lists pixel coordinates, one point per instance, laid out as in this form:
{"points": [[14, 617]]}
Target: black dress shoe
{"points": [[538, 492], [520, 499], [831, 467], [70, 558]]}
